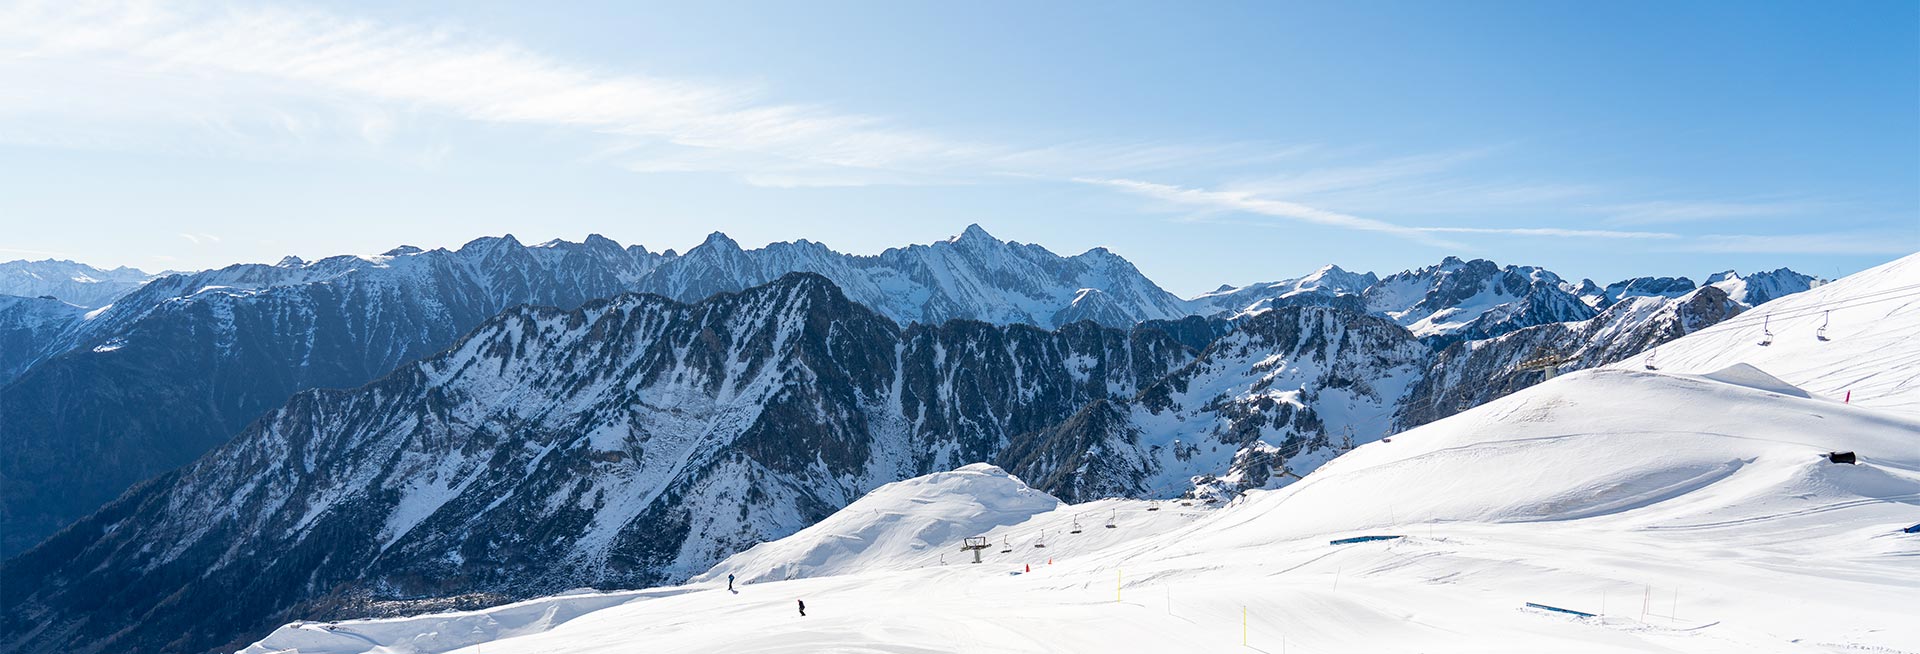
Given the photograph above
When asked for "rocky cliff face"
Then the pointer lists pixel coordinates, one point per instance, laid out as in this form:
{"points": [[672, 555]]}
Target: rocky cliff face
{"points": [[179, 366], [627, 443], [176, 367], [1286, 388], [1465, 300]]}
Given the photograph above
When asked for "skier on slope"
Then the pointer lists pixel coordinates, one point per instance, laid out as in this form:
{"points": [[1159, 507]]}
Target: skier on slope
{"points": [[803, 608]]}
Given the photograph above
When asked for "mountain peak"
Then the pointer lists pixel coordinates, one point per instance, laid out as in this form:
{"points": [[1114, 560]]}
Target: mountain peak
{"points": [[973, 232], [719, 240]]}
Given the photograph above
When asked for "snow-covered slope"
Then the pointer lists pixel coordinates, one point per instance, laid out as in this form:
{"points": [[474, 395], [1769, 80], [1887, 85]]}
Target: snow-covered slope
{"points": [[71, 282], [1691, 513], [1871, 348], [633, 441], [904, 520]]}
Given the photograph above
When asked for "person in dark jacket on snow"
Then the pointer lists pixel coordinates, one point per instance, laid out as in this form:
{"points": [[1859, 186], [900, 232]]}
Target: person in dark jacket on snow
{"points": [[803, 608], [729, 582]]}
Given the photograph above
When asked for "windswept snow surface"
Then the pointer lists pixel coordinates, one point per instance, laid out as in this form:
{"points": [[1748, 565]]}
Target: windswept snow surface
{"points": [[910, 520], [1689, 513], [1872, 346]]}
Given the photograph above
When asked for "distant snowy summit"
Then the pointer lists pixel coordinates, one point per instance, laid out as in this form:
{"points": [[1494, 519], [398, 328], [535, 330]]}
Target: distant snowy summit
{"points": [[1458, 299], [972, 276], [75, 283]]}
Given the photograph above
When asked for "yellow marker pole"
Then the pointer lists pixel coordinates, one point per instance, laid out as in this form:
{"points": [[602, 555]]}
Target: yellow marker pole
{"points": [[1116, 585], [1243, 625]]}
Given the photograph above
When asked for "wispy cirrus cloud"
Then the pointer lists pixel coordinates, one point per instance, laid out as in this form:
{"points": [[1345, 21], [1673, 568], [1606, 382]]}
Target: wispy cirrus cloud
{"points": [[1245, 202], [97, 74], [235, 71]]}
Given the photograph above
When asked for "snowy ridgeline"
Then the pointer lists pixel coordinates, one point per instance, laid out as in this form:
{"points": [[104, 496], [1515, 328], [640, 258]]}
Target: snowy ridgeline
{"points": [[1693, 513], [1856, 338]]}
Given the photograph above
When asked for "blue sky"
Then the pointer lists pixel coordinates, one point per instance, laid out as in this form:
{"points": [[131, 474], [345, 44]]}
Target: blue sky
{"points": [[1208, 143]]}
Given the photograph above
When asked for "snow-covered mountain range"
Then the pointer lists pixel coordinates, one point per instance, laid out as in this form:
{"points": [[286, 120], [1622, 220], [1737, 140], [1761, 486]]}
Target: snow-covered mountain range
{"points": [[630, 442], [75, 283], [94, 401], [973, 276], [1607, 510], [613, 427]]}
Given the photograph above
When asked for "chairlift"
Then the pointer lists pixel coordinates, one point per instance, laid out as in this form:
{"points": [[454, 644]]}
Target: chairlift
{"points": [[1766, 332], [1042, 541], [1076, 525], [1824, 321], [1153, 506], [1650, 365], [1110, 524], [1005, 545]]}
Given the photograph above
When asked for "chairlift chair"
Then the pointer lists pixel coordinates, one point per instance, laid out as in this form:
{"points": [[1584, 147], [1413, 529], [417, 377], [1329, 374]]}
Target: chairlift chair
{"points": [[1005, 545], [1825, 319], [1076, 525], [1766, 331], [1153, 506], [1650, 365], [1110, 524], [1042, 541]]}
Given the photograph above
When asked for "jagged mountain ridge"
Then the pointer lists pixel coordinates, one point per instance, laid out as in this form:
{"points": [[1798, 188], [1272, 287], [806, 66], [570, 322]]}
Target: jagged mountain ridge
{"points": [[181, 365], [973, 276], [1472, 373], [610, 437], [556, 402], [217, 348], [1283, 389], [71, 282]]}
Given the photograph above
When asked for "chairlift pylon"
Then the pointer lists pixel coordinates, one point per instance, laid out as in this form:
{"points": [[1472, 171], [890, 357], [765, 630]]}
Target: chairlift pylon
{"points": [[1766, 331], [1825, 319]]}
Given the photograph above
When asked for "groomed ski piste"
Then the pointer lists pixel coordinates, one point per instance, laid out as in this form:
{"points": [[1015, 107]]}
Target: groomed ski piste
{"points": [[1657, 511]]}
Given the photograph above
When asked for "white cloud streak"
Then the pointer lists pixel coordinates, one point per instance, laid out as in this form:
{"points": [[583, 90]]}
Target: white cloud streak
{"points": [[158, 57], [1245, 202]]}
